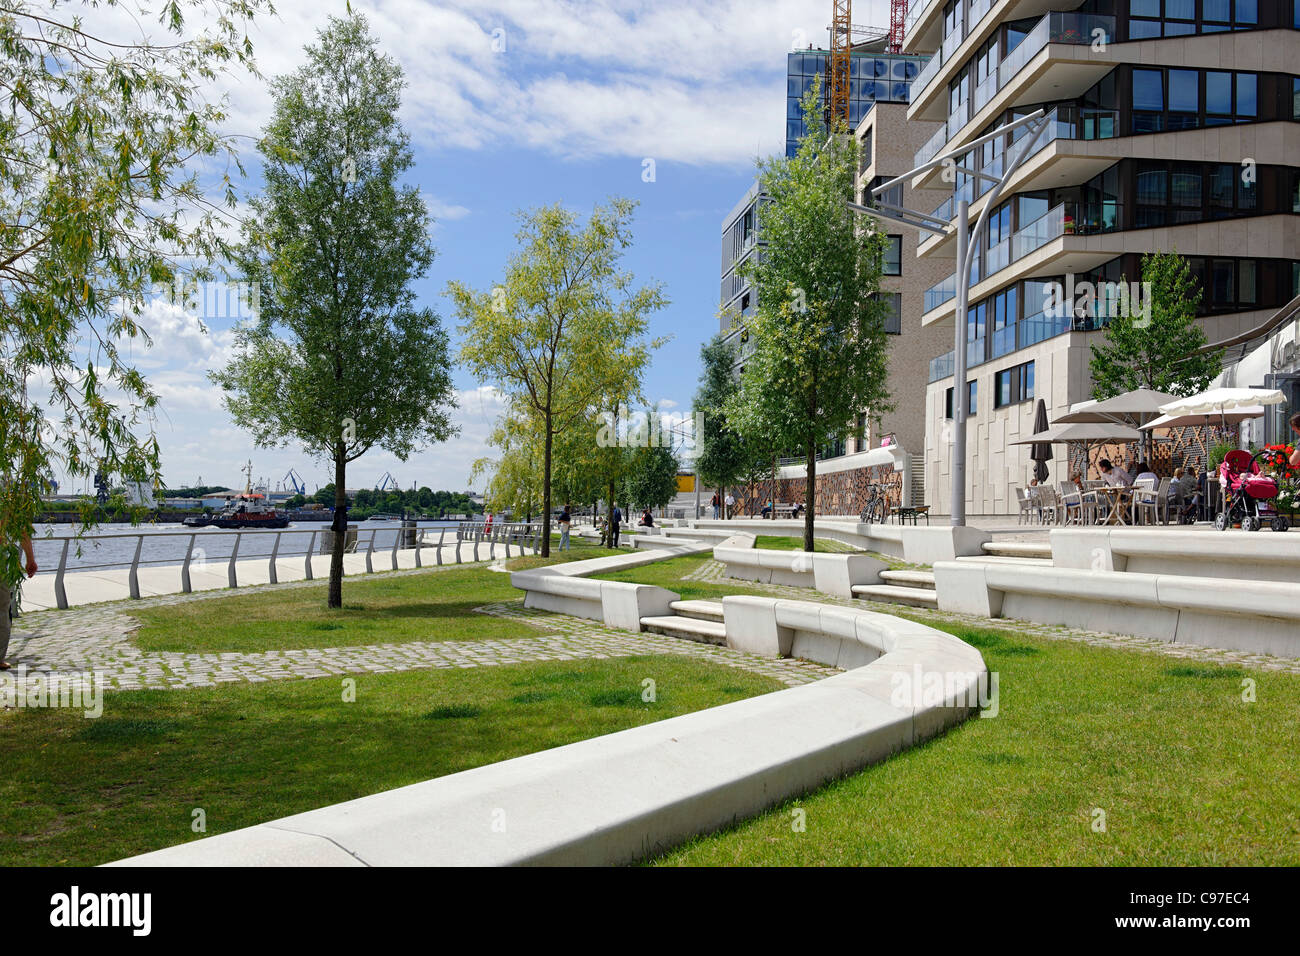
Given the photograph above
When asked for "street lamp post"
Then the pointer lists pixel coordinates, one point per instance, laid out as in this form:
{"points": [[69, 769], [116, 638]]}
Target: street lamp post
{"points": [[1036, 122]]}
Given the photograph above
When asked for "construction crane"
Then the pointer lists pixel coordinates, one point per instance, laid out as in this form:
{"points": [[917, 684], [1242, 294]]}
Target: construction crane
{"points": [[386, 482], [295, 481], [845, 34], [839, 62], [897, 18]]}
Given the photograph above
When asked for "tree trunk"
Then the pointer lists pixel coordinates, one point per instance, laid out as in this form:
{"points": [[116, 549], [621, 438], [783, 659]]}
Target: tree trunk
{"points": [[546, 492], [609, 517], [339, 526], [810, 494]]}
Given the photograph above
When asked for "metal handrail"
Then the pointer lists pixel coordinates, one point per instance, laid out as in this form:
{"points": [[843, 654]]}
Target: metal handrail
{"points": [[523, 535]]}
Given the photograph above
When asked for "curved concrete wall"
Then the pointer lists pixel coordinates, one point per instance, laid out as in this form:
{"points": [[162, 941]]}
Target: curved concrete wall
{"points": [[620, 797]]}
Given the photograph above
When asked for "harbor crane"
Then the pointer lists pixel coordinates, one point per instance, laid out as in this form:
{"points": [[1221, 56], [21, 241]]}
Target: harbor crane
{"points": [[294, 480], [387, 482]]}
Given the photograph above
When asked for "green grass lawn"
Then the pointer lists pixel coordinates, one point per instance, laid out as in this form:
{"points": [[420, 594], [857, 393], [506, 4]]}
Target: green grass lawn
{"points": [[1184, 770], [776, 542], [379, 609], [83, 792]]}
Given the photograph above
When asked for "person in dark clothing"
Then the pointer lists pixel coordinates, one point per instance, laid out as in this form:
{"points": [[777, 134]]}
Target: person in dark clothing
{"points": [[617, 519], [647, 519]]}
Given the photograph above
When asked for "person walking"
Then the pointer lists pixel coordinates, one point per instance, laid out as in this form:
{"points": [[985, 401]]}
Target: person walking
{"points": [[717, 504], [8, 606], [617, 519], [566, 520], [731, 504]]}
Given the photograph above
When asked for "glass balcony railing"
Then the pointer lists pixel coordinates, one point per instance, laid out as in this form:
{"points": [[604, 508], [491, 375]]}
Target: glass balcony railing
{"points": [[1004, 341], [1050, 225], [930, 71], [975, 353], [1064, 122], [941, 367], [941, 292], [1075, 28], [932, 145], [1065, 219], [1038, 328]]}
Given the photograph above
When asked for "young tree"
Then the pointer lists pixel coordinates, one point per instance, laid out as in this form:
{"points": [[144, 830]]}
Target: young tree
{"points": [[819, 354], [564, 327], [722, 457], [1155, 350], [516, 482], [102, 134], [340, 359]]}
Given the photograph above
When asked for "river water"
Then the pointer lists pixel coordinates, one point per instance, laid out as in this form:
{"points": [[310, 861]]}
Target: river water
{"points": [[113, 546]]}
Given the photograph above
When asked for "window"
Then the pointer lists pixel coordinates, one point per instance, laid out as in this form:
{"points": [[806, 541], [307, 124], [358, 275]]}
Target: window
{"points": [[972, 391], [1013, 385], [1148, 101], [1247, 95], [893, 265], [1218, 94], [1184, 99], [894, 317], [867, 138]]}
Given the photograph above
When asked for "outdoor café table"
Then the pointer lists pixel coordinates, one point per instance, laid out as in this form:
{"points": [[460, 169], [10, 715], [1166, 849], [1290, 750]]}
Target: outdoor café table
{"points": [[1117, 497]]}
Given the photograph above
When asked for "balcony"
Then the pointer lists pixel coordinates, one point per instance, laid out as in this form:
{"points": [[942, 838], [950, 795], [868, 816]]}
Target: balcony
{"points": [[1065, 219], [932, 145], [1070, 28], [1063, 123], [951, 43], [941, 367]]}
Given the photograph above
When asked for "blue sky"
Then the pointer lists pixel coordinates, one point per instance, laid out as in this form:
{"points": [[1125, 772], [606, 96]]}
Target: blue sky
{"points": [[566, 109]]}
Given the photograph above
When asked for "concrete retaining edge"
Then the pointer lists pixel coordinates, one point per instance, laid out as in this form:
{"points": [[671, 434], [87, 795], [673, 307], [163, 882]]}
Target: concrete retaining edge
{"points": [[623, 796]]}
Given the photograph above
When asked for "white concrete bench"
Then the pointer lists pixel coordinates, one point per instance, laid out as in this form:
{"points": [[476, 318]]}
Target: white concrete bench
{"points": [[619, 797], [1239, 555], [1261, 617], [831, 573], [916, 545]]}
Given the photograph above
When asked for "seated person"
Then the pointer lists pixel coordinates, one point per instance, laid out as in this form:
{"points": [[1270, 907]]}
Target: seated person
{"points": [[647, 519], [1144, 473], [1113, 476], [798, 510]]}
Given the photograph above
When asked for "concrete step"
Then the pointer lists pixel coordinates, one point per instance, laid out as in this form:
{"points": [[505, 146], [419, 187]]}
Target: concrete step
{"points": [[689, 628], [1018, 549], [700, 610], [894, 594], [1002, 559], [909, 579]]}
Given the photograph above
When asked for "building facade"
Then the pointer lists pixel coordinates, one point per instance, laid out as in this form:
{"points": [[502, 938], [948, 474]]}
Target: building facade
{"points": [[1172, 127]]}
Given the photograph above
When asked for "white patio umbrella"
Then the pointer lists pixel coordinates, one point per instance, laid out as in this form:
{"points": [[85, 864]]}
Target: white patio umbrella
{"points": [[1134, 408], [1217, 402], [1235, 417], [1131, 408], [1082, 432], [1222, 406], [1087, 435]]}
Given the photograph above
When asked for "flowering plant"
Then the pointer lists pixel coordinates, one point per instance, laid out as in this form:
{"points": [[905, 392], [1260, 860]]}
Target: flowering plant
{"points": [[1276, 461]]}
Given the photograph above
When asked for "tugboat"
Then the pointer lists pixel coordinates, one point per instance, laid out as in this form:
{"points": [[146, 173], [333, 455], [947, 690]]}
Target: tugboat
{"points": [[247, 510]]}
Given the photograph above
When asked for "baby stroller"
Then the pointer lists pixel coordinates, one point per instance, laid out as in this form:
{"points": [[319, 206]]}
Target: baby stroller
{"points": [[1244, 487]]}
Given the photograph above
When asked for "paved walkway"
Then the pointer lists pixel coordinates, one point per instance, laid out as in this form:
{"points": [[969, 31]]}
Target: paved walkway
{"points": [[98, 639], [713, 571]]}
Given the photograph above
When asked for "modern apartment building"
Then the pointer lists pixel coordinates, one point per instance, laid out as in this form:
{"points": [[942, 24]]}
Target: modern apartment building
{"points": [[1173, 127]]}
